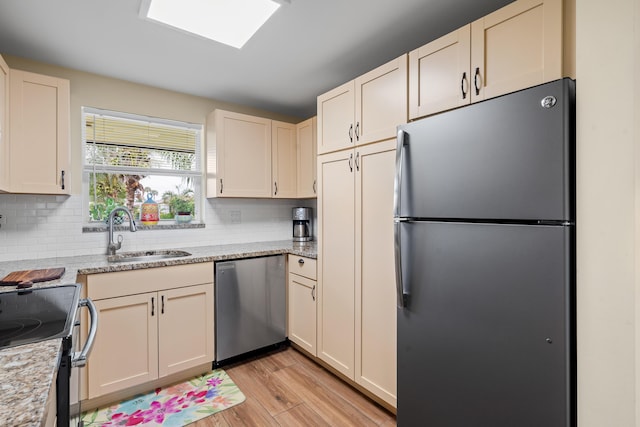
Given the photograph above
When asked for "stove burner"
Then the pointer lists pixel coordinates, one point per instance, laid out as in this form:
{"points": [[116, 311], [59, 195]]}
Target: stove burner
{"points": [[37, 314]]}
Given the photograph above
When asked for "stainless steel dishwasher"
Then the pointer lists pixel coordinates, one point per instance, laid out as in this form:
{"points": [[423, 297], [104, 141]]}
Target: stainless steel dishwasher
{"points": [[250, 307]]}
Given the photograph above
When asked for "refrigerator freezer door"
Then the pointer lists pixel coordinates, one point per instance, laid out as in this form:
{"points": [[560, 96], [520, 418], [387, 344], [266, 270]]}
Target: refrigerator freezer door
{"points": [[505, 158], [484, 339]]}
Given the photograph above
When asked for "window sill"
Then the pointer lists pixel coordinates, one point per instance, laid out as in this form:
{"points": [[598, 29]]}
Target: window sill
{"points": [[102, 228]]}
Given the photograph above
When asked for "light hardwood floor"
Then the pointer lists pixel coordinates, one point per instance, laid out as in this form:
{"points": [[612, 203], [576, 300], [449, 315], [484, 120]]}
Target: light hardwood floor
{"points": [[285, 388]]}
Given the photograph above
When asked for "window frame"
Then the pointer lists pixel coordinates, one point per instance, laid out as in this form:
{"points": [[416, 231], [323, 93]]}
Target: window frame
{"points": [[196, 175]]}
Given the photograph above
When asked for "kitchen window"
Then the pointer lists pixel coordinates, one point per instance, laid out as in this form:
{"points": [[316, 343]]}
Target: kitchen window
{"points": [[129, 159]]}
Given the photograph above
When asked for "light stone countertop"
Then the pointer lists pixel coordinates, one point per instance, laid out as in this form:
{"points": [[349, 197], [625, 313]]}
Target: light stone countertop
{"points": [[28, 371]]}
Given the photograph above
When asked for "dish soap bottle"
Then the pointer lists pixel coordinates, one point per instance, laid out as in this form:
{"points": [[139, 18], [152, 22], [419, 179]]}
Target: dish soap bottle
{"points": [[149, 213]]}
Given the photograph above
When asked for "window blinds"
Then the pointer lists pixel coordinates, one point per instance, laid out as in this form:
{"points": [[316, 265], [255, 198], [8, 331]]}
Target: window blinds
{"points": [[118, 141]]}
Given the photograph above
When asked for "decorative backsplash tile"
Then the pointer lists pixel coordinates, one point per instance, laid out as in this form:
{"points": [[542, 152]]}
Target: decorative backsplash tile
{"points": [[38, 226]]}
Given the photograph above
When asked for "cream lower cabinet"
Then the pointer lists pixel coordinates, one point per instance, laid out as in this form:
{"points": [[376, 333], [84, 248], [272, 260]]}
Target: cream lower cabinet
{"points": [[336, 261], [149, 335], [515, 47], [356, 281], [301, 303]]}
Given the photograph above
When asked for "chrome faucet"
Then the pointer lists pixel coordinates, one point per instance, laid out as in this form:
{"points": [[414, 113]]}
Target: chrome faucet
{"points": [[114, 246]]}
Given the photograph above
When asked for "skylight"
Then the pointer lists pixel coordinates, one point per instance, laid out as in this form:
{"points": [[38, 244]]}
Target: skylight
{"points": [[232, 22]]}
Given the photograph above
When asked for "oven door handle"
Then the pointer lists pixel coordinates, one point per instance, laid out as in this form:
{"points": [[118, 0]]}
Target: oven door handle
{"points": [[79, 359]]}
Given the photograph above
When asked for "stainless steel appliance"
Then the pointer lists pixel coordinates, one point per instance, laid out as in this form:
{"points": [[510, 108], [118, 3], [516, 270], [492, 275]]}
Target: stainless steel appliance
{"points": [[302, 227], [485, 263], [38, 314], [250, 305]]}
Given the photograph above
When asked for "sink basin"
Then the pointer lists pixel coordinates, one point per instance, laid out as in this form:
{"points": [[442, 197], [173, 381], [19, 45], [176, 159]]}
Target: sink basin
{"points": [[145, 256]]}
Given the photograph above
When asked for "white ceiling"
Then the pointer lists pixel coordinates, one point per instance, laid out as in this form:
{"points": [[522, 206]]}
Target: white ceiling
{"points": [[305, 49]]}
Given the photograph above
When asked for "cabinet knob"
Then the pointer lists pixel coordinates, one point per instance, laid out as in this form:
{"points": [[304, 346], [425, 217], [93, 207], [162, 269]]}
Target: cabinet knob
{"points": [[300, 261]]}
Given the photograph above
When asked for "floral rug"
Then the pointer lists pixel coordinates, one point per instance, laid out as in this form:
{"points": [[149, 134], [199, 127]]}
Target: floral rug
{"points": [[173, 406]]}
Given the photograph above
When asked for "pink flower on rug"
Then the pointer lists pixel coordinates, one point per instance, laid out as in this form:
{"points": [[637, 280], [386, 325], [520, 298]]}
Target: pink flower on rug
{"points": [[158, 411], [196, 396], [122, 419], [214, 382]]}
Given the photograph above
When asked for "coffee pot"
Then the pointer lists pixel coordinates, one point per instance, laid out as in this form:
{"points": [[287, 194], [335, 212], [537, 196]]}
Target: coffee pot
{"points": [[302, 224]]}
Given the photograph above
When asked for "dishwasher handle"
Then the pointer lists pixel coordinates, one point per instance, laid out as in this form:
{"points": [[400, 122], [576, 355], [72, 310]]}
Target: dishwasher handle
{"points": [[79, 359]]}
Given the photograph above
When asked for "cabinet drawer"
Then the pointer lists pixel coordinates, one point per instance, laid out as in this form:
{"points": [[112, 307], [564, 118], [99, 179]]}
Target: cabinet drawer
{"points": [[302, 266], [121, 283]]}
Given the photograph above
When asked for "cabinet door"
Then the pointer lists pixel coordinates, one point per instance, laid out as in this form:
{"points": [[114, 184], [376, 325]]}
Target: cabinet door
{"points": [[335, 119], [243, 155], [284, 158], [381, 101], [307, 158], [375, 322], [39, 138], [125, 351], [302, 312], [336, 260], [515, 47], [185, 324], [439, 76], [4, 121]]}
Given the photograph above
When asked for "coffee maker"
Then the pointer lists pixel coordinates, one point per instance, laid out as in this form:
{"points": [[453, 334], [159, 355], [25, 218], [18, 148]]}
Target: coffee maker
{"points": [[302, 228]]}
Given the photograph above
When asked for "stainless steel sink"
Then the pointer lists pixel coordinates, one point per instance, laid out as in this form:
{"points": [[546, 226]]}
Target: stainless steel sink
{"points": [[144, 256]]}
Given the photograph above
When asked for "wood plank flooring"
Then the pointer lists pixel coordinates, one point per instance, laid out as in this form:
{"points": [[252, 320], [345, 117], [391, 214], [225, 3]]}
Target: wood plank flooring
{"points": [[284, 388]]}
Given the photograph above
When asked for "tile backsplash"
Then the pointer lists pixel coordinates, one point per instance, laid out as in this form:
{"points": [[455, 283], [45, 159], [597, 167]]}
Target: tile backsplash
{"points": [[40, 226]]}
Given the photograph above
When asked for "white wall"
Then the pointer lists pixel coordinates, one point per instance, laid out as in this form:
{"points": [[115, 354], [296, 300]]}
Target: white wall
{"points": [[608, 145], [35, 227]]}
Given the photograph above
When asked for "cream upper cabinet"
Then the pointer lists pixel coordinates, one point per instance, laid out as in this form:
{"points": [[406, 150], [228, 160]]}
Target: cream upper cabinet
{"points": [[439, 76], [364, 110], [153, 323], [4, 125], [238, 155], [39, 108], [515, 47], [307, 184], [336, 115], [375, 292], [301, 303], [381, 101], [336, 261], [284, 160]]}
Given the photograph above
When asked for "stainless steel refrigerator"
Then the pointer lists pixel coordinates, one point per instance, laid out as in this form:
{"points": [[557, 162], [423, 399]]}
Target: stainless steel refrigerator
{"points": [[485, 262]]}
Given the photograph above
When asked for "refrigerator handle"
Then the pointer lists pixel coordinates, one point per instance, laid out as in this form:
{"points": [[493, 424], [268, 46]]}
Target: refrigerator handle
{"points": [[398, 178], [402, 296]]}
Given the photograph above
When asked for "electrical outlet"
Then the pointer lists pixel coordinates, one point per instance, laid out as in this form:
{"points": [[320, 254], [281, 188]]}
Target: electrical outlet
{"points": [[235, 217]]}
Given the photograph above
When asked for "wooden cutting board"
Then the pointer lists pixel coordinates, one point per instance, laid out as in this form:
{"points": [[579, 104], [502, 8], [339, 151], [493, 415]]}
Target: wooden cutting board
{"points": [[32, 276]]}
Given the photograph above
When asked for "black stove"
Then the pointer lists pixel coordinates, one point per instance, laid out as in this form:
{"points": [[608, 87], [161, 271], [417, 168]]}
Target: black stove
{"points": [[37, 314]]}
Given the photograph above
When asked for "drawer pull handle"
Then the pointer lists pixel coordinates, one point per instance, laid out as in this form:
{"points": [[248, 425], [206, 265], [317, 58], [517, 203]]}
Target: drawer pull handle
{"points": [[462, 85], [313, 292]]}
